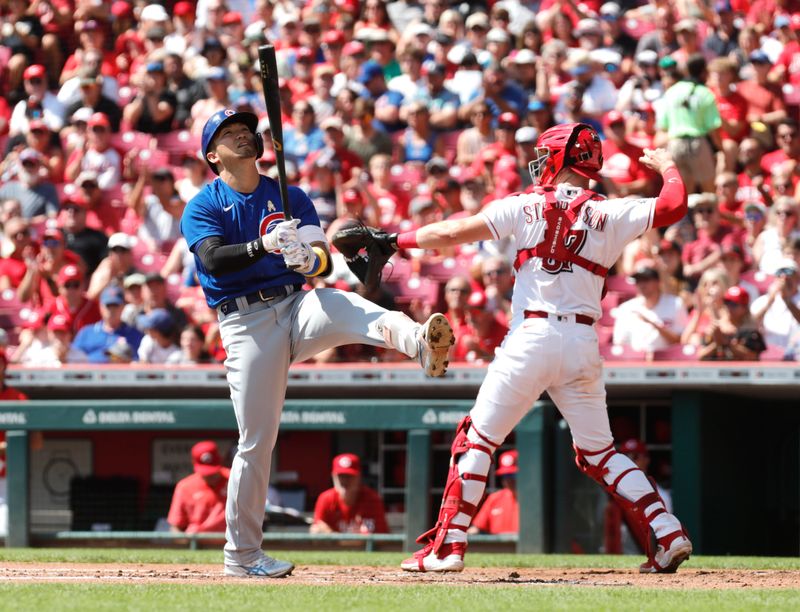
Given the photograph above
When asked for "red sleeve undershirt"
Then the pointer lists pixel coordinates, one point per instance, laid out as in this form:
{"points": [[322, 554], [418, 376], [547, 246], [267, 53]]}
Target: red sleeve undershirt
{"points": [[671, 202]]}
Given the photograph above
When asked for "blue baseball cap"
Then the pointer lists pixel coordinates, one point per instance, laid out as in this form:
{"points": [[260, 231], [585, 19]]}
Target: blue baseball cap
{"points": [[759, 57], [536, 105], [159, 319], [369, 70], [219, 119], [112, 295]]}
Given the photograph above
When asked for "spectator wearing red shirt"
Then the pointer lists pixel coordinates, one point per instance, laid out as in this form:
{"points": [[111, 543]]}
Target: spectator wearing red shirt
{"points": [[301, 83], [92, 38], [730, 207], [333, 137], [484, 332], [198, 503], [764, 98], [704, 252], [787, 136], [622, 173], [349, 506], [499, 513], [71, 301], [787, 66], [751, 178], [733, 108], [38, 286], [13, 267], [457, 292], [504, 133]]}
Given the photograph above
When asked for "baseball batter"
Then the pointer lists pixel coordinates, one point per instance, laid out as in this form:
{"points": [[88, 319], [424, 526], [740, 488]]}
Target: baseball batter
{"points": [[252, 264], [566, 239]]}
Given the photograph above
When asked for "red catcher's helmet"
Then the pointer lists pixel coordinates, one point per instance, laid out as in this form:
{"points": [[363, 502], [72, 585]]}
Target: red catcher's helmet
{"points": [[572, 145]]}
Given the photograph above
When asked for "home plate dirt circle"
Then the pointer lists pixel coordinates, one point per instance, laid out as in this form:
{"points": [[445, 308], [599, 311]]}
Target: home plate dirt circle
{"points": [[687, 578]]}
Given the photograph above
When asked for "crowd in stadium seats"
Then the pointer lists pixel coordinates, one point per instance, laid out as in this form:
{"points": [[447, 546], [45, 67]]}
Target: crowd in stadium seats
{"points": [[397, 114]]}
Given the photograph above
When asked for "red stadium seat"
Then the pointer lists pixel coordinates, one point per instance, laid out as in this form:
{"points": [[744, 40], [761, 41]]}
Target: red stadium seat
{"points": [[397, 270], [125, 141], [604, 334], [677, 352], [450, 142], [615, 352], [621, 285], [175, 144], [773, 353], [415, 288], [406, 176], [443, 270], [760, 280]]}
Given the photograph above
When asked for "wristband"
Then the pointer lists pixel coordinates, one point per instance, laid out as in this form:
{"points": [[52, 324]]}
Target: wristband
{"points": [[321, 263], [253, 247], [407, 240]]}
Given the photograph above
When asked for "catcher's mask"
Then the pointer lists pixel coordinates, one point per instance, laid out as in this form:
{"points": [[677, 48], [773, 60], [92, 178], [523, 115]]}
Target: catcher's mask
{"points": [[572, 145]]}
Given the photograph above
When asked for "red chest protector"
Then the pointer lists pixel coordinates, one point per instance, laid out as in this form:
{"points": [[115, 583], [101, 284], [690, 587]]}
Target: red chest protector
{"points": [[555, 246]]}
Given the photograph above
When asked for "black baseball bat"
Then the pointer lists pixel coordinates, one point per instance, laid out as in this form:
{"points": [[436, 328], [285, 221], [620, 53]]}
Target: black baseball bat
{"points": [[269, 82]]}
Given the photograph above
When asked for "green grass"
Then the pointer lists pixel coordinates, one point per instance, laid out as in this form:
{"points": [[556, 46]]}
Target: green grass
{"points": [[155, 597], [345, 558]]}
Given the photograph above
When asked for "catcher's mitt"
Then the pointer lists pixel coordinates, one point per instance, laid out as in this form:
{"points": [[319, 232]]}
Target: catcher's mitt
{"points": [[366, 251]]}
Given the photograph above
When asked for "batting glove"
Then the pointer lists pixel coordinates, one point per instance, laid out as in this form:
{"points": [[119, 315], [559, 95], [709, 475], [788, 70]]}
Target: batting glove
{"points": [[284, 233], [299, 256]]}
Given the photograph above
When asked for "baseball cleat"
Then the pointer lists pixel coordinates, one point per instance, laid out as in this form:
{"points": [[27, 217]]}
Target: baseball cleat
{"points": [[450, 558], [667, 559], [265, 567], [434, 339]]}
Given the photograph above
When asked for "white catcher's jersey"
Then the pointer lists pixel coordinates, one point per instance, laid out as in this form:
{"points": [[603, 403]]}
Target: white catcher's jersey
{"points": [[599, 234]]}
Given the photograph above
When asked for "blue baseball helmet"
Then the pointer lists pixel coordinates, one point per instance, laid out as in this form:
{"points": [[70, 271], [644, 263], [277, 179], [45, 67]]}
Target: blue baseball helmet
{"points": [[223, 117]]}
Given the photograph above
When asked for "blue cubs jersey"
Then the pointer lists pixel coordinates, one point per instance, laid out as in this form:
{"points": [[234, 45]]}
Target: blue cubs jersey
{"points": [[237, 217]]}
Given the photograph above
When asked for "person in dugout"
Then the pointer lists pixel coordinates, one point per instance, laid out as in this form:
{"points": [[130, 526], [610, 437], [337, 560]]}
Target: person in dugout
{"points": [[349, 506], [198, 503], [500, 511]]}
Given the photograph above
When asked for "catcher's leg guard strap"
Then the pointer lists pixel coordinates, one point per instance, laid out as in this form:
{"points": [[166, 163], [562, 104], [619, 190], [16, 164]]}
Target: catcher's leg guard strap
{"points": [[471, 457], [629, 486], [399, 332]]}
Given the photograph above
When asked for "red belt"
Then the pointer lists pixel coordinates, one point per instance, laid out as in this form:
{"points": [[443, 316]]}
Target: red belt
{"points": [[540, 314]]}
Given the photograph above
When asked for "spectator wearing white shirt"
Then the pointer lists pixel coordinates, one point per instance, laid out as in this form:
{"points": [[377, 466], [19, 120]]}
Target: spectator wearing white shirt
{"points": [[38, 104], [98, 155], [653, 320], [158, 346], [778, 311], [599, 94]]}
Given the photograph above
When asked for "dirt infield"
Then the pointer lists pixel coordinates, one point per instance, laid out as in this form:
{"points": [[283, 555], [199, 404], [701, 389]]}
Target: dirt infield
{"points": [[327, 574]]}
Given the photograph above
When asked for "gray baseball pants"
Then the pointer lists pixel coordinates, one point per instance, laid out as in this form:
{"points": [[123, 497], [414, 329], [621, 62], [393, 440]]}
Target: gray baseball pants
{"points": [[261, 342]]}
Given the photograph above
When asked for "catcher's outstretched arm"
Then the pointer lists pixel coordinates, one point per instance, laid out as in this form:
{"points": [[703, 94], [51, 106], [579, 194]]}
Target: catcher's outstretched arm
{"points": [[446, 233]]}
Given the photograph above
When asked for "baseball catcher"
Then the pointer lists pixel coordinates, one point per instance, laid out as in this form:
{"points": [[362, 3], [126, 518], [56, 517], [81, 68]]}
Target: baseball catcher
{"points": [[566, 238]]}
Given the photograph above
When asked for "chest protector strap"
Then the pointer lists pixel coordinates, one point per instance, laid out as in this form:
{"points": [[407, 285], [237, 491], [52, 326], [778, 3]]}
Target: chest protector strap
{"points": [[559, 221]]}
